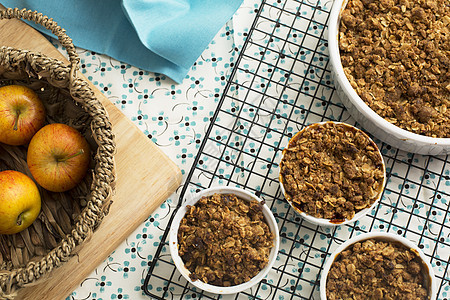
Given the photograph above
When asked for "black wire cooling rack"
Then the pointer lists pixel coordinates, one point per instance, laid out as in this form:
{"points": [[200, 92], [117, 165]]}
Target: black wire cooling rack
{"points": [[281, 82]]}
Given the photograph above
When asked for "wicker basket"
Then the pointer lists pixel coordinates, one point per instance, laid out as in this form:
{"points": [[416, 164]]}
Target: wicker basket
{"points": [[66, 219]]}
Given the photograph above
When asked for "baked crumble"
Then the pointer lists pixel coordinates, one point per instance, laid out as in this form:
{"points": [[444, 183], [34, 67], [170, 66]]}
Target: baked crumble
{"points": [[376, 269], [224, 240], [331, 170], [396, 55]]}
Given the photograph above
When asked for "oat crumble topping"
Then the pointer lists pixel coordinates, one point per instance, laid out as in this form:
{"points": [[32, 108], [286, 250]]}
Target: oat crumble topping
{"points": [[331, 171], [224, 240], [376, 269], [396, 55]]}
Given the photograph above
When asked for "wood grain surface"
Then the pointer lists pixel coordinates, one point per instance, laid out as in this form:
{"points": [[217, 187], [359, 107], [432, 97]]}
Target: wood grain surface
{"points": [[145, 178]]}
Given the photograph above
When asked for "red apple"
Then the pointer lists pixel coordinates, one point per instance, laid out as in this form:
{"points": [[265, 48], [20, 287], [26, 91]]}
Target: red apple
{"points": [[20, 202], [58, 157], [22, 114]]}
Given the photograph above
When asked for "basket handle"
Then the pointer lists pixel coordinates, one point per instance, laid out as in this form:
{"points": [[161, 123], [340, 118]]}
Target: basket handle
{"points": [[39, 18]]}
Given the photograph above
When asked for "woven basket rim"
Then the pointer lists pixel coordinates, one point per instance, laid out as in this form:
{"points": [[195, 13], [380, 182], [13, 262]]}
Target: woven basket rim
{"points": [[61, 75]]}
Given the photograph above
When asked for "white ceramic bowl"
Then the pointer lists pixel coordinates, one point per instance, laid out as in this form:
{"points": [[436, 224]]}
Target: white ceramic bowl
{"points": [[359, 214], [363, 114], [173, 240], [381, 236]]}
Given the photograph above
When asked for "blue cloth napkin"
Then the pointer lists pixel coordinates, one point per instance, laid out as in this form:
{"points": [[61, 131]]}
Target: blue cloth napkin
{"points": [[162, 36]]}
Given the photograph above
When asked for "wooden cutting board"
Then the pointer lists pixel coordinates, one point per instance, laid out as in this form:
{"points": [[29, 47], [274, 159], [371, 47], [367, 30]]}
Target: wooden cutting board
{"points": [[145, 178]]}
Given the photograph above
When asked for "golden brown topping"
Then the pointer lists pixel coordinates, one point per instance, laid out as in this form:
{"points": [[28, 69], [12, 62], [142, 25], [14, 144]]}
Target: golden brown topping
{"points": [[224, 240], [374, 269], [331, 171], [396, 55]]}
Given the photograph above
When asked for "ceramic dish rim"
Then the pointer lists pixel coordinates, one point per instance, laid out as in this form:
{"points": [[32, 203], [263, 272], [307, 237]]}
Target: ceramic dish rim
{"points": [[173, 240], [381, 236], [328, 222], [336, 65]]}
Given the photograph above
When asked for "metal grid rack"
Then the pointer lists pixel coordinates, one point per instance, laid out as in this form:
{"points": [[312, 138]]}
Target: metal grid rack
{"points": [[281, 83]]}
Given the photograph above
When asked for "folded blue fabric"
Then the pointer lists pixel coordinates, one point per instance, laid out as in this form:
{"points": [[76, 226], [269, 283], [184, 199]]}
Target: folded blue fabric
{"points": [[162, 36]]}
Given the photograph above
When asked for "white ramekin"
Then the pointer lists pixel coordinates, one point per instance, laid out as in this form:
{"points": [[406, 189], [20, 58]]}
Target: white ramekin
{"points": [[173, 240], [362, 113], [328, 222], [379, 236]]}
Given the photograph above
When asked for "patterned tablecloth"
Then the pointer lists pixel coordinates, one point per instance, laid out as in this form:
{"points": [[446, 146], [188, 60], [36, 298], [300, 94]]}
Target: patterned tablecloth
{"points": [[177, 116]]}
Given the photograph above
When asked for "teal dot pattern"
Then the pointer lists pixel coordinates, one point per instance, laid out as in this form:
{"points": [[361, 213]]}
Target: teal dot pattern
{"points": [[287, 63]]}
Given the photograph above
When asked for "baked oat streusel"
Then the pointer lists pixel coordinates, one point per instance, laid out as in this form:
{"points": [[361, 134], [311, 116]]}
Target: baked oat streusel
{"points": [[396, 55], [224, 240], [376, 269], [331, 170]]}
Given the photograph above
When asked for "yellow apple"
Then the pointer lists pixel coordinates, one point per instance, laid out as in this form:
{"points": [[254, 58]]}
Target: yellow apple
{"points": [[20, 202], [22, 114], [58, 157]]}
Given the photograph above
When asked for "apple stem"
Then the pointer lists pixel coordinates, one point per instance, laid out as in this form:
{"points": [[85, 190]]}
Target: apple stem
{"points": [[81, 151], [16, 121], [19, 219]]}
